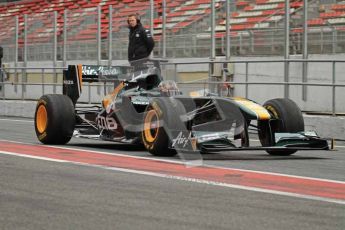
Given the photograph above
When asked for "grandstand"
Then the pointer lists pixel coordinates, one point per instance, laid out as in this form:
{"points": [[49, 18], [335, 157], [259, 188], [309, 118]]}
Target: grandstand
{"points": [[256, 28]]}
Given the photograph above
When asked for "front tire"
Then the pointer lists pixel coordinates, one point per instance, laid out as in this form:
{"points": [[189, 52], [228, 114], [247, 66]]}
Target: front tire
{"points": [[291, 119], [54, 119], [162, 113]]}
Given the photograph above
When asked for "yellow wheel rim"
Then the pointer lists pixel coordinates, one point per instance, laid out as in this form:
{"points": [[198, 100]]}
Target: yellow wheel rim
{"points": [[151, 126], [41, 119]]}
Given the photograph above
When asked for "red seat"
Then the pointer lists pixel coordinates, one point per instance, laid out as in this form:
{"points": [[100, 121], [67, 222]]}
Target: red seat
{"points": [[334, 14], [316, 22], [338, 7]]}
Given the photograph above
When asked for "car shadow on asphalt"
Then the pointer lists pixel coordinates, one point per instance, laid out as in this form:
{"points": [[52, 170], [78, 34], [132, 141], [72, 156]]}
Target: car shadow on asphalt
{"points": [[242, 156], [263, 157], [120, 147]]}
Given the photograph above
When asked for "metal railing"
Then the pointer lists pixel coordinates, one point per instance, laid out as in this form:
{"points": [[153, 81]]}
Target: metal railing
{"points": [[259, 80]]}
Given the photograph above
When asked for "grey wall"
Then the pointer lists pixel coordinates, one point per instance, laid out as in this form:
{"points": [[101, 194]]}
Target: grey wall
{"points": [[318, 98]]}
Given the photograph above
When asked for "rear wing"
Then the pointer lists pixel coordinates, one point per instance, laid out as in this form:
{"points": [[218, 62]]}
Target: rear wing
{"points": [[75, 75], [96, 73]]}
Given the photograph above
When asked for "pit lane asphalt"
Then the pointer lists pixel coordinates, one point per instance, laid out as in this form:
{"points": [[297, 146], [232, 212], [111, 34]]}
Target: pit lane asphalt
{"points": [[37, 194]]}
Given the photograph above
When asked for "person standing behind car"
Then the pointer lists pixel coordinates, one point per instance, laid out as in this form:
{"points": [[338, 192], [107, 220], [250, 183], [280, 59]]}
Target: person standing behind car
{"points": [[1, 56], [140, 43], [1, 72]]}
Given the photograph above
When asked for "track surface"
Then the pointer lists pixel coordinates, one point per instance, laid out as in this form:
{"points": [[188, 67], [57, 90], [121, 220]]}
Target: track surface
{"points": [[112, 193]]}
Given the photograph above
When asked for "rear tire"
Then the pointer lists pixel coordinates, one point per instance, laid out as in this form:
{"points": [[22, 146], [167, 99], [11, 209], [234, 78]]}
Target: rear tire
{"points": [[291, 118], [154, 136], [54, 119]]}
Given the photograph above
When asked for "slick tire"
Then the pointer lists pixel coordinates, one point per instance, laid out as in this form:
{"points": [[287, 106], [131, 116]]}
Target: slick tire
{"points": [[291, 121], [54, 119], [161, 115]]}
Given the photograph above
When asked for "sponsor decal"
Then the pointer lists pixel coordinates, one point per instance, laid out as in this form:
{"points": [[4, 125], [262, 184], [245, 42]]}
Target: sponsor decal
{"points": [[108, 71], [272, 110], [42, 102], [68, 82], [108, 123], [88, 70], [140, 102], [148, 145], [156, 107], [210, 137], [181, 140], [95, 70], [43, 135]]}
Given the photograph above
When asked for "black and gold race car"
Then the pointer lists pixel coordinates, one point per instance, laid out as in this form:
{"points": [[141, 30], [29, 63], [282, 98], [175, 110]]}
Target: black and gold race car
{"points": [[145, 110]]}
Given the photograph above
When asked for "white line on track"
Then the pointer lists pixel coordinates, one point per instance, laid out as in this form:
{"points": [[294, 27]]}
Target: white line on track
{"points": [[7, 119], [187, 179]]}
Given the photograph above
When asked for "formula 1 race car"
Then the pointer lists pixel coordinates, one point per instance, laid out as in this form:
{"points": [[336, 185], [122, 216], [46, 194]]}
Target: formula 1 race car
{"points": [[143, 109]]}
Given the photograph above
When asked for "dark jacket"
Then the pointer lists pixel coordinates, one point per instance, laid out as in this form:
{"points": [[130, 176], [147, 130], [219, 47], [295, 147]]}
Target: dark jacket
{"points": [[140, 43], [1, 56]]}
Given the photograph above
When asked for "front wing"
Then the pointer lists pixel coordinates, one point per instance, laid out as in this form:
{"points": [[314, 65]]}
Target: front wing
{"points": [[283, 142]]}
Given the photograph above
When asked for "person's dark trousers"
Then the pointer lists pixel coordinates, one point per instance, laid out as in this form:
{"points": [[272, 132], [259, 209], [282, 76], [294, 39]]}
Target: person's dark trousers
{"points": [[139, 65]]}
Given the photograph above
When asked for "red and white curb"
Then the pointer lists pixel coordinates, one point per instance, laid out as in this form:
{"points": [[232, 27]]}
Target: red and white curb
{"points": [[280, 184]]}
